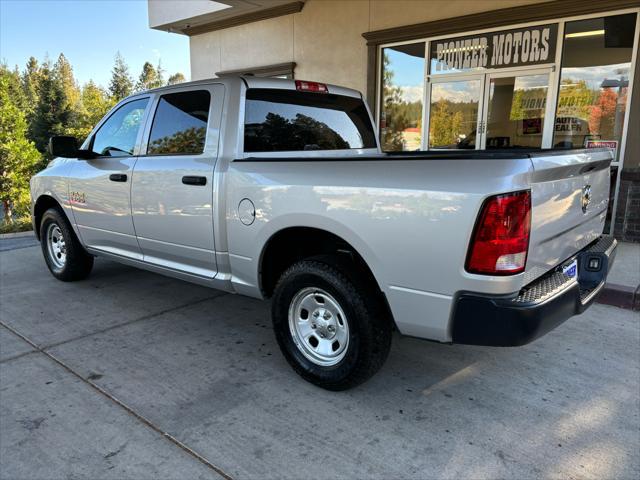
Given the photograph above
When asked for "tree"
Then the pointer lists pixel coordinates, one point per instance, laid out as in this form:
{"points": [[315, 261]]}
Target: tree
{"points": [[176, 78], [95, 102], [149, 78], [159, 75], [121, 83], [63, 74], [18, 156], [30, 80], [446, 124], [52, 114]]}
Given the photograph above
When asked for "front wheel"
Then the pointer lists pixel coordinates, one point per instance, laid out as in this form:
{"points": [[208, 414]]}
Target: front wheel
{"points": [[334, 331], [65, 257]]}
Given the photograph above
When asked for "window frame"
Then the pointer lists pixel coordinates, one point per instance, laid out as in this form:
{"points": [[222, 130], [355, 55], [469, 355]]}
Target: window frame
{"points": [[89, 142], [155, 103]]}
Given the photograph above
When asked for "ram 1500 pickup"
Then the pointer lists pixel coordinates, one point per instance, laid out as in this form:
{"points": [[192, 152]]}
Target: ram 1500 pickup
{"points": [[278, 189]]}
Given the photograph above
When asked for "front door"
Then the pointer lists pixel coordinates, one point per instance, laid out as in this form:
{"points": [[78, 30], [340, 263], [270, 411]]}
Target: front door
{"points": [[99, 189], [455, 112], [172, 192], [515, 110], [490, 111]]}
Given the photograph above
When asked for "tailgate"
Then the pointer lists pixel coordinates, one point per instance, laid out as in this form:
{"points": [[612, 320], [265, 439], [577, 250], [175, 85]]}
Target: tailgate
{"points": [[569, 198]]}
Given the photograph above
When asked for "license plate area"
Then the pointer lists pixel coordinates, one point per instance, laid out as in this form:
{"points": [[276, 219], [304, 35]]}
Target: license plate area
{"points": [[570, 269]]}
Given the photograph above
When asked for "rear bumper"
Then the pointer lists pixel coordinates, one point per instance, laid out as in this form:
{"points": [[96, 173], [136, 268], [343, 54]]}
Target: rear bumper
{"points": [[514, 320]]}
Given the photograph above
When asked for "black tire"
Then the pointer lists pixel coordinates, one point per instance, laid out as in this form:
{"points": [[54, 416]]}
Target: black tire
{"points": [[78, 262], [369, 323]]}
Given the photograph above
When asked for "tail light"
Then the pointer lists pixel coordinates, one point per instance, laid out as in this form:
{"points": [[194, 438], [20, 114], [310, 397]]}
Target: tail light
{"points": [[501, 237], [303, 86]]}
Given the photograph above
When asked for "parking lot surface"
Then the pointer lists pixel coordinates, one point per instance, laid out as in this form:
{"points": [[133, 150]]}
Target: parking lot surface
{"points": [[133, 375]]}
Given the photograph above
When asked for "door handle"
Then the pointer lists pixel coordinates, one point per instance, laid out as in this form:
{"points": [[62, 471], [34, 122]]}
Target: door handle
{"points": [[118, 177], [193, 180]]}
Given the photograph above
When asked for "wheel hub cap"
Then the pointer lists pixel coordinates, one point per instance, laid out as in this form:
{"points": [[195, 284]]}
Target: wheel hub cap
{"points": [[56, 246], [318, 326]]}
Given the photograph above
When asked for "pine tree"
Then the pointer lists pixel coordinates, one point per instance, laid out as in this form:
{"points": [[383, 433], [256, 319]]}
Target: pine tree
{"points": [[72, 103], [30, 80], [18, 156], [148, 78], [52, 114], [159, 76], [176, 78], [121, 83]]}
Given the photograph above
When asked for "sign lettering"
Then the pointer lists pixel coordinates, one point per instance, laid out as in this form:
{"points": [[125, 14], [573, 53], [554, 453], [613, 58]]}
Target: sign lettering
{"points": [[526, 46]]}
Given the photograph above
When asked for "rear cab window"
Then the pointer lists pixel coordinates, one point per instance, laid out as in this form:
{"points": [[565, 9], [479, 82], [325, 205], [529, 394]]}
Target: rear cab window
{"points": [[279, 120], [180, 124]]}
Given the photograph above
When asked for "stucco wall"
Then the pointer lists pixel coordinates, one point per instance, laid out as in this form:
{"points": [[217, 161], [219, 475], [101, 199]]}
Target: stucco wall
{"points": [[324, 39]]}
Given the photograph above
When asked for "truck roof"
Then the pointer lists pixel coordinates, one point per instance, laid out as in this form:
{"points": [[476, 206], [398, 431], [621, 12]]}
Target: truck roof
{"points": [[255, 82]]}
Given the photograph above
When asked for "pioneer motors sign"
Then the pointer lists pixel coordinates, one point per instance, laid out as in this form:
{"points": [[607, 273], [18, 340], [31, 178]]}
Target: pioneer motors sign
{"points": [[510, 48]]}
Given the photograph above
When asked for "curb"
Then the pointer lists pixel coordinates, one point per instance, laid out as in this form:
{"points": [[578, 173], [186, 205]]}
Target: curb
{"points": [[620, 296], [28, 233]]}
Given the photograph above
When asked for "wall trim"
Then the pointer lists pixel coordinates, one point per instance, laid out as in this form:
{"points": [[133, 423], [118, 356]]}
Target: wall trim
{"points": [[256, 16], [285, 68], [496, 18]]}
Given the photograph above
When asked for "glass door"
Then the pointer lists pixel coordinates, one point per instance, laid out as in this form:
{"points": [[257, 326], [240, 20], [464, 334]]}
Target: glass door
{"points": [[516, 108], [455, 105]]}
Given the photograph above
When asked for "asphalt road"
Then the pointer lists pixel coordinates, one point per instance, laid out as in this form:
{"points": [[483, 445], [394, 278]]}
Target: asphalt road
{"points": [[133, 375]]}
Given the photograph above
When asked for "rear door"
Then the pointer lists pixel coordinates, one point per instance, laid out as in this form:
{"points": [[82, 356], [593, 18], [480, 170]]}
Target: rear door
{"points": [[99, 189], [569, 196], [173, 190]]}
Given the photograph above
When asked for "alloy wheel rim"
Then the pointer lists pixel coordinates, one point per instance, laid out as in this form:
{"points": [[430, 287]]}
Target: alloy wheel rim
{"points": [[56, 246], [318, 326]]}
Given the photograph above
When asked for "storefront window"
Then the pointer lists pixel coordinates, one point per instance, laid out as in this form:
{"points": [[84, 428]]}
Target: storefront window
{"points": [[402, 93], [454, 114], [594, 82], [515, 116]]}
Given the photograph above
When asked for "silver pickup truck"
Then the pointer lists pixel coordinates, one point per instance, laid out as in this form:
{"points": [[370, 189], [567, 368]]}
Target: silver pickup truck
{"points": [[278, 189]]}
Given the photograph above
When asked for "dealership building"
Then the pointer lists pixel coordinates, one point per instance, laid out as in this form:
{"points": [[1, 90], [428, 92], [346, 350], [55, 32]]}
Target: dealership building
{"points": [[448, 74]]}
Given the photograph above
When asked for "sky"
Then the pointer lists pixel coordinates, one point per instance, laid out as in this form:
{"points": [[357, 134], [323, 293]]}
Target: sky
{"points": [[89, 33]]}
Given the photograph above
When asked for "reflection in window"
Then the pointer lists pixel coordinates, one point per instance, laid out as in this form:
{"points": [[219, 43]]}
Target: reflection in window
{"points": [[283, 120], [117, 136], [453, 117], [516, 111], [402, 92], [594, 80], [180, 124]]}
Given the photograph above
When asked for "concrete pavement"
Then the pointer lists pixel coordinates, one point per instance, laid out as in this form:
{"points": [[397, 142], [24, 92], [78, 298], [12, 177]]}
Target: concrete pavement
{"points": [[133, 375]]}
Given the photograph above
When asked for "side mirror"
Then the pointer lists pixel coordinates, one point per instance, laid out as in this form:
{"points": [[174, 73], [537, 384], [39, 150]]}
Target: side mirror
{"points": [[67, 147], [63, 146]]}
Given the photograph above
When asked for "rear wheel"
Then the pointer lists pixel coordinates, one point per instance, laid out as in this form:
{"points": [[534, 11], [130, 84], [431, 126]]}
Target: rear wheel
{"points": [[331, 326], [63, 253]]}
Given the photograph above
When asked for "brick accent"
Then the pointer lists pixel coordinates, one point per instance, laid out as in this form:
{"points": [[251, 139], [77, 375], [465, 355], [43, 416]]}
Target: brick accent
{"points": [[627, 222]]}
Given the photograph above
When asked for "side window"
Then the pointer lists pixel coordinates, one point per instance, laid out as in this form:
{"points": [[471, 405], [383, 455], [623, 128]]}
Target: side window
{"points": [[287, 120], [180, 124], [117, 136]]}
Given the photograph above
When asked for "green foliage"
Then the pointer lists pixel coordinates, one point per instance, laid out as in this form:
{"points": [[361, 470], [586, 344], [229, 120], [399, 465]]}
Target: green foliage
{"points": [[397, 113], [20, 224], [95, 102], [45, 100], [176, 78], [190, 140], [53, 111], [121, 84], [19, 158], [149, 77], [30, 81], [446, 124]]}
